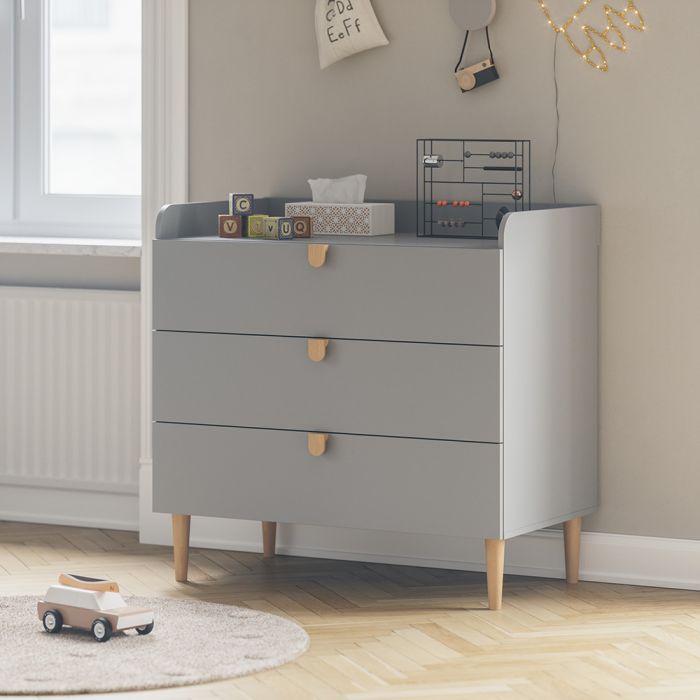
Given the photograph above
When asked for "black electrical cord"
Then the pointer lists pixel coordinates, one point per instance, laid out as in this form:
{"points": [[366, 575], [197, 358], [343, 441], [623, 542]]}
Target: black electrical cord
{"points": [[464, 48], [556, 106]]}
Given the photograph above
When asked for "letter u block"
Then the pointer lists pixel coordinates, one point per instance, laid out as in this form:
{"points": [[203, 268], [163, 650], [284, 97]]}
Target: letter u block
{"points": [[285, 229]]}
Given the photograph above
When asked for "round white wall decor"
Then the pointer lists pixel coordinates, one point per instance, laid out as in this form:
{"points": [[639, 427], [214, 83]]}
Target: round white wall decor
{"points": [[472, 14]]}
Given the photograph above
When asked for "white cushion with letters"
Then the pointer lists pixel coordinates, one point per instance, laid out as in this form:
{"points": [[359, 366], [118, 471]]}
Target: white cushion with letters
{"points": [[346, 27]]}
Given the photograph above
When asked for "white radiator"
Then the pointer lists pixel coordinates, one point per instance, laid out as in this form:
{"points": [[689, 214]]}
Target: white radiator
{"points": [[69, 389]]}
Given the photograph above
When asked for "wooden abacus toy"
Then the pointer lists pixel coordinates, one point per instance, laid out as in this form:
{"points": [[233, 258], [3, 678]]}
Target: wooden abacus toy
{"points": [[462, 184]]}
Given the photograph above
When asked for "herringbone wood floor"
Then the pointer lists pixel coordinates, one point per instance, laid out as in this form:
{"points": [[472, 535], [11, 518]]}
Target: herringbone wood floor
{"points": [[381, 632]]}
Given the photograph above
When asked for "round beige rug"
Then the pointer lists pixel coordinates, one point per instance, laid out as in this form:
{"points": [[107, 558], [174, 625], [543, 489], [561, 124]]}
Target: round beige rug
{"points": [[192, 642]]}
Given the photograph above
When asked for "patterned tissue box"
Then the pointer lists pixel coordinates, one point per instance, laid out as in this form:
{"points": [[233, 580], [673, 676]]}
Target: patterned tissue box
{"points": [[346, 219]]}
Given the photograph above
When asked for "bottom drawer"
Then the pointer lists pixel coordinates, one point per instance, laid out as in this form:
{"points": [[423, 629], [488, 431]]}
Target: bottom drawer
{"points": [[374, 483]]}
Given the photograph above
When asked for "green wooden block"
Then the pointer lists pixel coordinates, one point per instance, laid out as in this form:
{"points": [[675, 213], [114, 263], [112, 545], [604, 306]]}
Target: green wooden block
{"points": [[256, 226], [272, 227]]}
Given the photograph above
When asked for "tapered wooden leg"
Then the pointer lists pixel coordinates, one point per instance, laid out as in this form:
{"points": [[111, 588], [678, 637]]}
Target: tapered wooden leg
{"points": [[495, 558], [181, 545], [572, 548], [269, 537]]}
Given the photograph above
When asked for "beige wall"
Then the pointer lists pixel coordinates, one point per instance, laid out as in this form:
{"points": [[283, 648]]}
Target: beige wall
{"points": [[265, 118]]}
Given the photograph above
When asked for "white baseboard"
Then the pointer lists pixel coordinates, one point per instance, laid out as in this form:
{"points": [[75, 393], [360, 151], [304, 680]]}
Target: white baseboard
{"points": [[76, 507], [629, 559]]}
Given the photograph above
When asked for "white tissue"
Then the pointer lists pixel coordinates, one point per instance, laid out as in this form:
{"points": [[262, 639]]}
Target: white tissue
{"points": [[344, 190]]}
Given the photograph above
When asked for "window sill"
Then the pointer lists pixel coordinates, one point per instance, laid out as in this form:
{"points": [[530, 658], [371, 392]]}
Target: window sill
{"points": [[101, 247]]}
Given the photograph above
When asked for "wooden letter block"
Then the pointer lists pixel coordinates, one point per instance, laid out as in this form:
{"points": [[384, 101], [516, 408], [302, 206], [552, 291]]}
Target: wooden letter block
{"points": [[302, 226], [241, 204], [230, 226], [272, 227], [256, 226], [286, 229]]}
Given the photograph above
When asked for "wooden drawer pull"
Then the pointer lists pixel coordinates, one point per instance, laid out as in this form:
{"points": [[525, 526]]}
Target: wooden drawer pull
{"points": [[316, 348], [317, 254], [317, 444]]}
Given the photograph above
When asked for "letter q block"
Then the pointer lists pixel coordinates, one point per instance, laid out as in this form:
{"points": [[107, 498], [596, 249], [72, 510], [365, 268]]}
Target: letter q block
{"points": [[302, 226]]}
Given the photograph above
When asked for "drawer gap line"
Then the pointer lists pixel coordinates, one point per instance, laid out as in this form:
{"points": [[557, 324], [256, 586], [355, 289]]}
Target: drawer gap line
{"points": [[330, 432]]}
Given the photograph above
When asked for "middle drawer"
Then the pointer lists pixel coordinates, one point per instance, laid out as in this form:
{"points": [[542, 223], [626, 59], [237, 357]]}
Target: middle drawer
{"points": [[449, 392]]}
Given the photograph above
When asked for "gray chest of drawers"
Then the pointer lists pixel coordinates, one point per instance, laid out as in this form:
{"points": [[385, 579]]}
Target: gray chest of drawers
{"points": [[393, 383]]}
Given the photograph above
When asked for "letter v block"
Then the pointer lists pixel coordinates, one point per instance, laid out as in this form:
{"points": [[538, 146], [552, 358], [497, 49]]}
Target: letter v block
{"points": [[230, 226]]}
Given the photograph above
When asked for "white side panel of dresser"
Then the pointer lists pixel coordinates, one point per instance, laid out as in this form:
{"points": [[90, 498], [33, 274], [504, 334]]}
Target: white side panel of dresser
{"points": [[550, 366]]}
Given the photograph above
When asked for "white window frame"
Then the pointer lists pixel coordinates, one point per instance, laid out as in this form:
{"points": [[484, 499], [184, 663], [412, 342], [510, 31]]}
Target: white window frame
{"points": [[165, 181], [32, 210], [7, 67]]}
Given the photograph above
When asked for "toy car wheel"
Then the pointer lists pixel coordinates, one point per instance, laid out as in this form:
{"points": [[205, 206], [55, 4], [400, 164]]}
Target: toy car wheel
{"points": [[101, 629], [53, 621], [146, 629]]}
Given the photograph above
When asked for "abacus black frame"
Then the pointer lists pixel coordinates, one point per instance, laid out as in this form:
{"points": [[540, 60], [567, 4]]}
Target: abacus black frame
{"points": [[483, 226]]}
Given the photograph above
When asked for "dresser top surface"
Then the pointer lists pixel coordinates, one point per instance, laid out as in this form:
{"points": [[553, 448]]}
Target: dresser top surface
{"points": [[188, 222], [399, 239]]}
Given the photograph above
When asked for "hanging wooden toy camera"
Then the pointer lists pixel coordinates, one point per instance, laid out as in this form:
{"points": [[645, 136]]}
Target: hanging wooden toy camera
{"points": [[473, 16]]}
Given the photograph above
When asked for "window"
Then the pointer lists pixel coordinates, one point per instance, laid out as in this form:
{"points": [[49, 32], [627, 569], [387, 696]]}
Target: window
{"points": [[70, 136]]}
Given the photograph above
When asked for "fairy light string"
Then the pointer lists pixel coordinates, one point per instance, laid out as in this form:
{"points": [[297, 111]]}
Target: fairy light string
{"points": [[612, 35]]}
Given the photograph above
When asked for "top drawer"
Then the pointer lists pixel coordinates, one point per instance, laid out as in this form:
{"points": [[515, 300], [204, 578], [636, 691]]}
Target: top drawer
{"points": [[376, 292]]}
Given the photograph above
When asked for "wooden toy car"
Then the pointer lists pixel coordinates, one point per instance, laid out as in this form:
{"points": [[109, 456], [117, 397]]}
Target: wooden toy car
{"points": [[91, 604]]}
